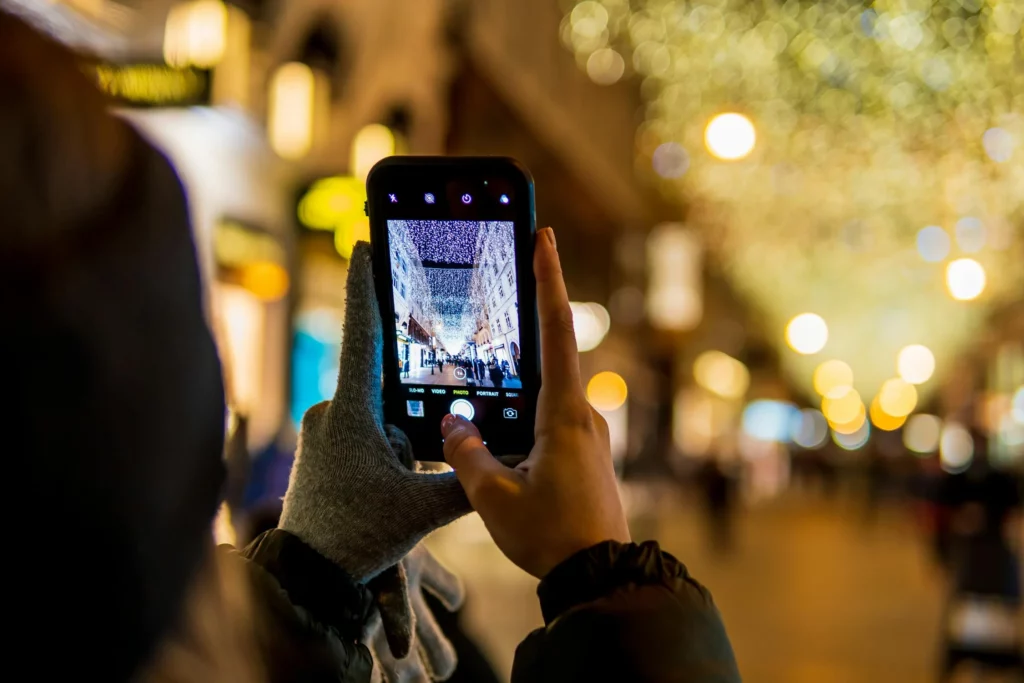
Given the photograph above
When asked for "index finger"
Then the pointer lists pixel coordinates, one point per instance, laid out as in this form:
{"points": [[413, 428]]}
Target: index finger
{"points": [[560, 365]]}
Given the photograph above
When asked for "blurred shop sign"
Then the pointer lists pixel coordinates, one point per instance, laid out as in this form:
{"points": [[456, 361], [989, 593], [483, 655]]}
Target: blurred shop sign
{"points": [[336, 204], [250, 257], [153, 85]]}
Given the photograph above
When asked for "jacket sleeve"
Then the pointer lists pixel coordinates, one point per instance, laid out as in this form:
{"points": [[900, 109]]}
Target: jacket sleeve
{"points": [[309, 613], [625, 612]]}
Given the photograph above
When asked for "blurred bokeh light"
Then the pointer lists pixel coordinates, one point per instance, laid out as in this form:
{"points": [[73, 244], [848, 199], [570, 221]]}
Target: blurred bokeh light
{"points": [[915, 364], [607, 391], [965, 279], [807, 333], [730, 136]]}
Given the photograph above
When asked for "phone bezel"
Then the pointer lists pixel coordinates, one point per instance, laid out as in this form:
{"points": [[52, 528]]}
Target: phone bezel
{"points": [[417, 172]]}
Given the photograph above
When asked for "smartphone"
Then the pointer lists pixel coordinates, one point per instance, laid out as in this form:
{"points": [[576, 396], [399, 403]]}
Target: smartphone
{"points": [[452, 245]]}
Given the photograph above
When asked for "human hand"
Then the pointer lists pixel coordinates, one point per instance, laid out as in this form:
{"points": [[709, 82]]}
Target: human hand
{"points": [[404, 620], [564, 497], [354, 495]]}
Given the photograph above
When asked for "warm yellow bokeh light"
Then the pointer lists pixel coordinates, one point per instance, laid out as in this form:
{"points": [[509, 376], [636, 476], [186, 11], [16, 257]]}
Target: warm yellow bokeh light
{"points": [[844, 409], [884, 420], [371, 144], [915, 364], [268, 281], [290, 110], [965, 279], [807, 333], [730, 136], [607, 391], [721, 374], [897, 398], [833, 378], [853, 425]]}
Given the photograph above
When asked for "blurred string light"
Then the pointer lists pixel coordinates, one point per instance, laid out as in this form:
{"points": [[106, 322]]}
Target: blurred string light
{"points": [[730, 136], [670, 160], [807, 333], [607, 391], [884, 420], [1017, 405], [965, 279], [915, 364], [769, 420], [970, 234], [889, 116], [933, 243], [845, 409], [591, 323], [956, 448], [290, 110], [810, 429], [605, 66], [999, 144], [853, 440], [195, 34], [921, 434], [833, 378], [897, 398], [721, 374]]}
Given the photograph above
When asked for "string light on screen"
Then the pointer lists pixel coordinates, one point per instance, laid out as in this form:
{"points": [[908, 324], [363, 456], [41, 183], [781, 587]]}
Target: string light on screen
{"points": [[446, 273]]}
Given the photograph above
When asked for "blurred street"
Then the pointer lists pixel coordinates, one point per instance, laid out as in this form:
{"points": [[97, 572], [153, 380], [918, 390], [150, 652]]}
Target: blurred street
{"points": [[811, 594]]}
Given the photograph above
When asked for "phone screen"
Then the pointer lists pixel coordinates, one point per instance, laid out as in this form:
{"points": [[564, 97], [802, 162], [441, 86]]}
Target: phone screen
{"points": [[462, 335]]}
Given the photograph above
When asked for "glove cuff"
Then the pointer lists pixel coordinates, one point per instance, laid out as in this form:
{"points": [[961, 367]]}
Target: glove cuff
{"points": [[313, 582]]}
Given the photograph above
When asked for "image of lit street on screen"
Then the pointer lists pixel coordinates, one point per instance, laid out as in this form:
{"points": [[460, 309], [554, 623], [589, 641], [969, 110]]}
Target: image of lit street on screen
{"points": [[456, 303]]}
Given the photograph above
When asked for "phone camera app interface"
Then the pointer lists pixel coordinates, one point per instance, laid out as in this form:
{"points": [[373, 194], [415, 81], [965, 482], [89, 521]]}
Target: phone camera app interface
{"points": [[456, 305]]}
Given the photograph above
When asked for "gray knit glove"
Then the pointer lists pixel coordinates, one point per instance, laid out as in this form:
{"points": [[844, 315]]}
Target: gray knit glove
{"points": [[432, 657], [350, 496]]}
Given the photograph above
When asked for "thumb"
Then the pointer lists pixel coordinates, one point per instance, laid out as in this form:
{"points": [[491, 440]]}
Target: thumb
{"points": [[474, 465], [359, 378]]}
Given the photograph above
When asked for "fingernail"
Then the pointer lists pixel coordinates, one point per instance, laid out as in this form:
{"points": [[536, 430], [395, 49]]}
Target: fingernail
{"points": [[447, 423], [550, 233]]}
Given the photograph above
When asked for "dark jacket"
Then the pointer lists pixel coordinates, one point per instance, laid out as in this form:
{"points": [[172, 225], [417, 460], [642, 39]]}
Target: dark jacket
{"points": [[613, 612]]}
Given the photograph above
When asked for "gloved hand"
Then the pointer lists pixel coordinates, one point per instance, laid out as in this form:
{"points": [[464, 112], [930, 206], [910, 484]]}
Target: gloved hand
{"points": [[350, 497], [403, 619]]}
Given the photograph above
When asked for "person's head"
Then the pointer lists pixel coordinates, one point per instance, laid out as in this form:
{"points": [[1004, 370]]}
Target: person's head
{"points": [[114, 415]]}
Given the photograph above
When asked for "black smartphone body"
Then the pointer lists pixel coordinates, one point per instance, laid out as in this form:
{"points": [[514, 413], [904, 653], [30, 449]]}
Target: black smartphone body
{"points": [[452, 245]]}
